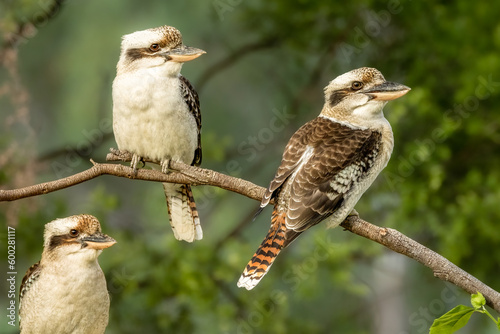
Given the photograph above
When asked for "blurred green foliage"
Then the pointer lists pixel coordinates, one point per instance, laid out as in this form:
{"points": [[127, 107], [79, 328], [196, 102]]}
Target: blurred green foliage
{"points": [[264, 60]]}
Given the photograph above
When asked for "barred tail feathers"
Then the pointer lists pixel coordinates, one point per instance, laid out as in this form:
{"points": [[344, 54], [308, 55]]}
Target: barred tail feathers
{"points": [[267, 252], [182, 210]]}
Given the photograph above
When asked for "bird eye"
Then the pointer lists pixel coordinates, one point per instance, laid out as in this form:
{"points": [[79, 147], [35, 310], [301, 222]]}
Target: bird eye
{"points": [[73, 233], [356, 85], [154, 47]]}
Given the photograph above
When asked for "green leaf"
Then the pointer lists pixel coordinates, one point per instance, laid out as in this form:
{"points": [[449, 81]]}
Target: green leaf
{"points": [[452, 321], [477, 300]]}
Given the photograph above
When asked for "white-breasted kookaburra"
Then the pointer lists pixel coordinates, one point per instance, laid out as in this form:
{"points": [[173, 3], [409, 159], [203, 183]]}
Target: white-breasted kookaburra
{"points": [[156, 114], [328, 163], [66, 291]]}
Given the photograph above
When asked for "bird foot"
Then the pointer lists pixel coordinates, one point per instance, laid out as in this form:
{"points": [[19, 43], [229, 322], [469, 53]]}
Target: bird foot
{"points": [[115, 151], [353, 213], [135, 160], [165, 166]]}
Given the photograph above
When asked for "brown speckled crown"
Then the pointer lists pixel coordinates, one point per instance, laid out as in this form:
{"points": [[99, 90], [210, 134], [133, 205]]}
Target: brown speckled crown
{"points": [[171, 36], [368, 73], [88, 223]]}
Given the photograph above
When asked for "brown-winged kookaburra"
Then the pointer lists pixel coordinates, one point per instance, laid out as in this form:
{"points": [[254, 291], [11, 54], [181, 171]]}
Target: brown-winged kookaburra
{"points": [[156, 114], [66, 292], [328, 163]]}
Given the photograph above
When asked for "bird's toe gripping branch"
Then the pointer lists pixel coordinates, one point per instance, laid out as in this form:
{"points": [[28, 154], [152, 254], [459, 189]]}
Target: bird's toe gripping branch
{"points": [[135, 160], [165, 166], [353, 213]]}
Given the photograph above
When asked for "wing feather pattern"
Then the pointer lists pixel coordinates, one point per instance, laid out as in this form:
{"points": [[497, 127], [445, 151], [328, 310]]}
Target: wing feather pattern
{"points": [[319, 166], [193, 103]]}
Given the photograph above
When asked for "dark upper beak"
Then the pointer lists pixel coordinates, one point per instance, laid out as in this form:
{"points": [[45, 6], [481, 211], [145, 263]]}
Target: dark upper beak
{"points": [[183, 53], [387, 91], [98, 241]]}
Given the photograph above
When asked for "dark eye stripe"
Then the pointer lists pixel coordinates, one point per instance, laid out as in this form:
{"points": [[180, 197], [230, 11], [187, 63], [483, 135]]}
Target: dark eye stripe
{"points": [[59, 240], [336, 97]]}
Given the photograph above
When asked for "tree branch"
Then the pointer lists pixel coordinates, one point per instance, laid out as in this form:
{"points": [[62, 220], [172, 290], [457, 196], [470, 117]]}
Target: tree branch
{"points": [[30, 27], [441, 267], [181, 173]]}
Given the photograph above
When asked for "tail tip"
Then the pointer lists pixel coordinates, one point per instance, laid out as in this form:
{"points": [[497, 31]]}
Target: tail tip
{"points": [[247, 282], [189, 233]]}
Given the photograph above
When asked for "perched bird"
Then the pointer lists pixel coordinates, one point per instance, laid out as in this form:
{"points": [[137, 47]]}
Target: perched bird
{"points": [[65, 292], [328, 163], [156, 114]]}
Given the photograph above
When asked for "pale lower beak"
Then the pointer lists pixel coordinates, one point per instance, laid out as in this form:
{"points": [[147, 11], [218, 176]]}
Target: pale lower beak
{"points": [[98, 241], [183, 54], [387, 91]]}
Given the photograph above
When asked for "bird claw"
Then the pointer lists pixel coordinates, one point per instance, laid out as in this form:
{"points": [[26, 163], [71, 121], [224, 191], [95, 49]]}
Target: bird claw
{"points": [[165, 166], [353, 213], [115, 151], [135, 160]]}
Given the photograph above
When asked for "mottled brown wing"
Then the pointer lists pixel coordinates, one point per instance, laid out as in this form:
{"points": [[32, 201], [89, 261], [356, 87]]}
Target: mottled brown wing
{"points": [[292, 155], [193, 103], [31, 275], [341, 157], [319, 153]]}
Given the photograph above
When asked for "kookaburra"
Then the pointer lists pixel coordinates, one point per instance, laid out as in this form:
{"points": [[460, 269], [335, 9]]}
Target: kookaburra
{"points": [[66, 292], [156, 114], [328, 163]]}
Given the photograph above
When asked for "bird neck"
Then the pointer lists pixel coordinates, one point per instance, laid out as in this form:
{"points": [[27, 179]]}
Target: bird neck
{"points": [[166, 69], [63, 258], [357, 119]]}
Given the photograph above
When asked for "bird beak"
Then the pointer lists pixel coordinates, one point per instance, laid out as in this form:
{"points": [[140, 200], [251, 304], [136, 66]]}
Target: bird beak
{"points": [[98, 241], [387, 91], [183, 53]]}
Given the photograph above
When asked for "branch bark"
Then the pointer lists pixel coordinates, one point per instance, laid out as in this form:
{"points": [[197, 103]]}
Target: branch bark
{"points": [[181, 173], [441, 267]]}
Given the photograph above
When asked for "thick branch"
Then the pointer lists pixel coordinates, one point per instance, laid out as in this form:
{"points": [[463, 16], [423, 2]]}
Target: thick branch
{"points": [[442, 268], [181, 173]]}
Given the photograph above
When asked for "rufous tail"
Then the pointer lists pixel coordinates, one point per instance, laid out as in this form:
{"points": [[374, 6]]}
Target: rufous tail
{"points": [[264, 257], [182, 210]]}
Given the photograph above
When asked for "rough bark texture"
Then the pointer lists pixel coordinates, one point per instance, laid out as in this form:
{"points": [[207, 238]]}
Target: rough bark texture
{"points": [[181, 173], [442, 268]]}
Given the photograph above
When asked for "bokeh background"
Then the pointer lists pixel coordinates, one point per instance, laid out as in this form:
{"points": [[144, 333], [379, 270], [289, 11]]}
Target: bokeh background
{"points": [[263, 76]]}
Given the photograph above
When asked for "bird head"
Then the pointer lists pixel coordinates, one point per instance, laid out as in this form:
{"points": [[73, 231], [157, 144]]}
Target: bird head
{"points": [[359, 96], [155, 47], [75, 236]]}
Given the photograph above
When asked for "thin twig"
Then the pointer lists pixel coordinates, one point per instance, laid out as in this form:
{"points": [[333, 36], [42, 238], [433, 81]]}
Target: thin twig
{"points": [[181, 173]]}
